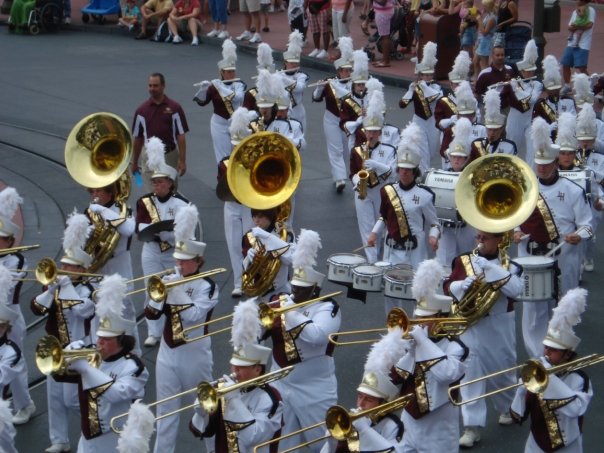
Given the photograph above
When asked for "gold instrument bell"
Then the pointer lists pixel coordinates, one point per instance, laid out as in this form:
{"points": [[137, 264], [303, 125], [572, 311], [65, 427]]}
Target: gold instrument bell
{"points": [[51, 359], [98, 150], [496, 193]]}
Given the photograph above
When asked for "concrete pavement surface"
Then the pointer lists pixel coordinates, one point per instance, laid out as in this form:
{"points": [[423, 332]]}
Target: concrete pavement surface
{"points": [[50, 82]]}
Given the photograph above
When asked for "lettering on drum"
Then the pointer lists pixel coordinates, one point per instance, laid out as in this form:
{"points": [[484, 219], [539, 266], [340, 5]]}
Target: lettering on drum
{"points": [[441, 179]]}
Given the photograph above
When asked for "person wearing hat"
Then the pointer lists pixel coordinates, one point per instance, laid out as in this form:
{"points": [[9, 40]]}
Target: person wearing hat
{"points": [[301, 337], [557, 413], [9, 203], [523, 97], [68, 304], [406, 209], [457, 237], [283, 123], [492, 338], [251, 415], [160, 205], [379, 161], [446, 105], [164, 118], [263, 99], [430, 365], [110, 389], [494, 121], [295, 80], [332, 91], [266, 63], [355, 103], [424, 94], [267, 233], [181, 364], [226, 95]]}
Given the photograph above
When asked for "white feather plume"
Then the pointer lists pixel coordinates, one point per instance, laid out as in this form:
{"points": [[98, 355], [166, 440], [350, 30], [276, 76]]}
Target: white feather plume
{"points": [[429, 55], [376, 106], [266, 85], [427, 277], [295, 42], [264, 56], [412, 139], [246, 324], [531, 52], [229, 50], [385, 353], [372, 85], [567, 123], [185, 222], [463, 133], [492, 104], [461, 66], [9, 202], [346, 48], [138, 429], [464, 94], [110, 296], [77, 231], [156, 151], [307, 249], [569, 310], [6, 284], [360, 65], [586, 119], [6, 414], [540, 134], [551, 70], [240, 122], [582, 87]]}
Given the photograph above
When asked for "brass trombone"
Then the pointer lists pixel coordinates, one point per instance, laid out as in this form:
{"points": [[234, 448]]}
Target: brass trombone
{"points": [[21, 248], [208, 394], [441, 327], [158, 289], [46, 272], [52, 359], [136, 291], [266, 314], [535, 377], [338, 422]]}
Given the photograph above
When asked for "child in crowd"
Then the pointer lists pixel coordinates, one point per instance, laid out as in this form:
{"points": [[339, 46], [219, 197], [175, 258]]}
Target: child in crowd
{"points": [[487, 20], [131, 15], [581, 20]]}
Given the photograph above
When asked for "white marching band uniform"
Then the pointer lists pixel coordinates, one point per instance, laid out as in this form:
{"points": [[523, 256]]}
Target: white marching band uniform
{"points": [[518, 125], [295, 84], [290, 128], [383, 436]]}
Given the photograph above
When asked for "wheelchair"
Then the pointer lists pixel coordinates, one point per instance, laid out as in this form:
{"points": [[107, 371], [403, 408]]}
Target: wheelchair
{"points": [[45, 15]]}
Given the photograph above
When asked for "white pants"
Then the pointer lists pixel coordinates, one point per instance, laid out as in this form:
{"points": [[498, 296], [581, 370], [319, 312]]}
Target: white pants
{"points": [[102, 444], [492, 345], [154, 261], [237, 221], [177, 370], [575, 447], [61, 397], [338, 27], [453, 242], [516, 130], [221, 137], [436, 431], [20, 385], [368, 211], [431, 142], [337, 146], [299, 113], [535, 318]]}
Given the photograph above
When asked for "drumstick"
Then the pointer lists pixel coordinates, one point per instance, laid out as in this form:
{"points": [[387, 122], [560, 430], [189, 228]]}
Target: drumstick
{"points": [[361, 248], [525, 236], [556, 248]]}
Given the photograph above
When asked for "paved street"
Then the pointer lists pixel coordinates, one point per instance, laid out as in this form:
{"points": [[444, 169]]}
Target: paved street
{"points": [[50, 82]]}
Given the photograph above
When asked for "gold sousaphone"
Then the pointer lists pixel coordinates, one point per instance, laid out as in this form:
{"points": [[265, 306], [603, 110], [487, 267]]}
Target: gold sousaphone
{"points": [[97, 154], [263, 172]]}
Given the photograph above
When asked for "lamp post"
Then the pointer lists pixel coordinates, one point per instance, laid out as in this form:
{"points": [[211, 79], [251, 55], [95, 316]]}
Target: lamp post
{"points": [[538, 21]]}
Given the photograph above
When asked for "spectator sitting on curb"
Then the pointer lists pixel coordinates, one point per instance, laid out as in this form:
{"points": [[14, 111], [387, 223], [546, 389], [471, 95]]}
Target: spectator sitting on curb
{"points": [[185, 15], [131, 15], [251, 11], [158, 10]]}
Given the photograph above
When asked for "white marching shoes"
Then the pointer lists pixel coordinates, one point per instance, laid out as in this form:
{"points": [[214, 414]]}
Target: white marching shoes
{"points": [[470, 436], [58, 448], [22, 416], [151, 341]]}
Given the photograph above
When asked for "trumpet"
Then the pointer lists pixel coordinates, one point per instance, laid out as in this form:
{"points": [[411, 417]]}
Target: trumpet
{"points": [[325, 82], [535, 377], [158, 290], [266, 315], [21, 248], [208, 394], [46, 272], [338, 422], [51, 359], [397, 318]]}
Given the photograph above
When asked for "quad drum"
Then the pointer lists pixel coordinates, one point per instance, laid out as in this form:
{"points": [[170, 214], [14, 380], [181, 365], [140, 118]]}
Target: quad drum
{"points": [[341, 265]]}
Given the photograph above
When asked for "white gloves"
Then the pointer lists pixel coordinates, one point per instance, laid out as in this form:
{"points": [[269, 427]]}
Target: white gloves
{"points": [[260, 233], [63, 281], [228, 382], [289, 301], [96, 208], [251, 253], [467, 283], [75, 345], [361, 424], [418, 333], [203, 88], [376, 166], [166, 236], [79, 366]]}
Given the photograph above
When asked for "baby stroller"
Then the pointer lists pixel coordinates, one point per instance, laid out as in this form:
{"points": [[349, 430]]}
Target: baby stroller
{"points": [[398, 37], [516, 37], [34, 16], [98, 9]]}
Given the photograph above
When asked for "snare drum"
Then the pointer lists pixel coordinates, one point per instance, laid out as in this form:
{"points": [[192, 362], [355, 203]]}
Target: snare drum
{"points": [[538, 276], [397, 282], [443, 183], [341, 265], [367, 278]]}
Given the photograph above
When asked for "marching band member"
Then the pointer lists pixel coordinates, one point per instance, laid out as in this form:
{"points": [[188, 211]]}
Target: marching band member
{"points": [[285, 125], [162, 204], [182, 364], [301, 337], [7, 430], [523, 97], [264, 57], [492, 339], [248, 416], [267, 231], [424, 94], [226, 95], [354, 104], [584, 98], [265, 98], [457, 237], [108, 390], [295, 80], [372, 433], [428, 368], [407, 208], [69, 307], [378, 161], [332, 92], [237, 217], [9, 202], [557, 413], [446, 105], [494, 122]]}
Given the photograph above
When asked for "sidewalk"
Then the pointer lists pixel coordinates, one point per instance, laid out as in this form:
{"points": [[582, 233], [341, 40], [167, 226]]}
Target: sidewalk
{"points": [[400, 73]]}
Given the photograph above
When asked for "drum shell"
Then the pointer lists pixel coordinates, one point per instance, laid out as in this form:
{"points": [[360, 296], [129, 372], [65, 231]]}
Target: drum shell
{"points": [[397, 283], [538, 278], [443, 183], [340, 266], [367, 278]]}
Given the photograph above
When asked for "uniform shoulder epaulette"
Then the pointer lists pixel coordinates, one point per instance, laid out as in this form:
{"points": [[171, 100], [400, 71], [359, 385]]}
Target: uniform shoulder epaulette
{"points": [[428, 189], [139, 363], [462, 345], [180, 197]]}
